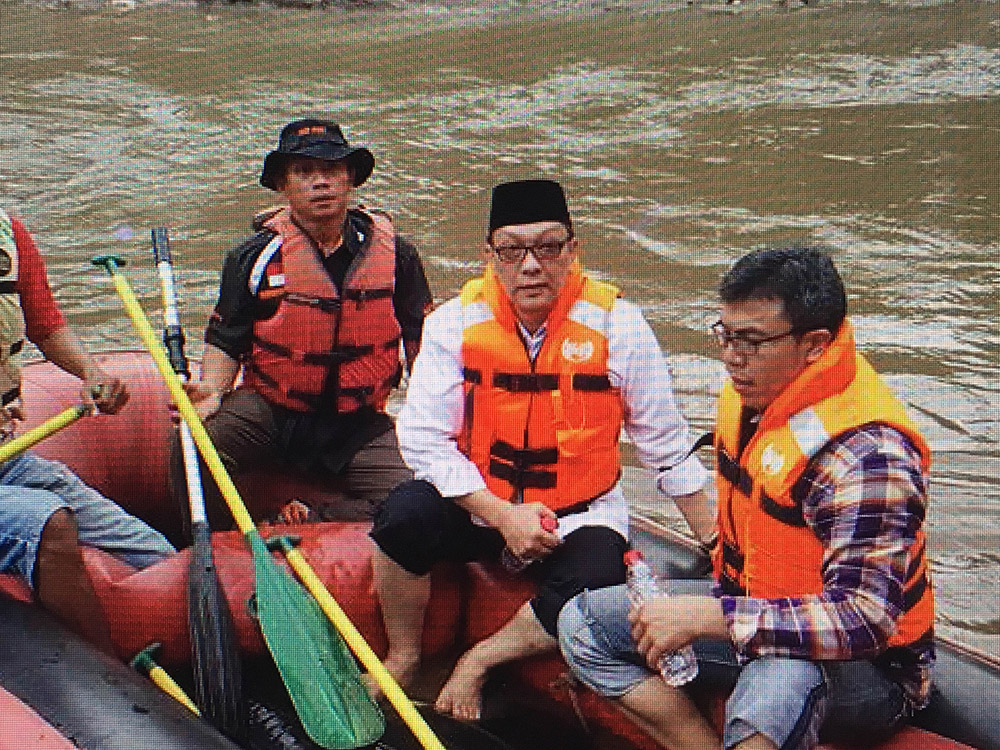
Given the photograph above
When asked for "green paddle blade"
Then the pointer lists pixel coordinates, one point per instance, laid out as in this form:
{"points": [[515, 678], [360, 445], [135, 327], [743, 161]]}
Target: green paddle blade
{"points": [[319, 672]]}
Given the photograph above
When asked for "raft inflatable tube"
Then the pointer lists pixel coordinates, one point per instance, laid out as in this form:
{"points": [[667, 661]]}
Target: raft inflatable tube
{"points": [[530, 704]]}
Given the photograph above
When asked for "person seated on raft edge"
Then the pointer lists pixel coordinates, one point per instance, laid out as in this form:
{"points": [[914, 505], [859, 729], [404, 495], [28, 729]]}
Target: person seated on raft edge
{"points": [[513, 415], [46, 511], [312, 309], [820, 623]]}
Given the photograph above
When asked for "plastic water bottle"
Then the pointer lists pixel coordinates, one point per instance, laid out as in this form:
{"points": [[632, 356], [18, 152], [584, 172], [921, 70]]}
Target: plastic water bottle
{"points": [[513, 562], [677, 667]]}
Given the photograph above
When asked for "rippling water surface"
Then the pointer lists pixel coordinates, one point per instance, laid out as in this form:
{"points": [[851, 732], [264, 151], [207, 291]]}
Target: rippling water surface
{"points": [[684, 137]]}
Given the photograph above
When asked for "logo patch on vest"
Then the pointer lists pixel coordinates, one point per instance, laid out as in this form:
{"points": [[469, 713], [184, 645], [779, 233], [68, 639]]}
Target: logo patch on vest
{"points": [[275, 280], [771, 461], [577, 351]]}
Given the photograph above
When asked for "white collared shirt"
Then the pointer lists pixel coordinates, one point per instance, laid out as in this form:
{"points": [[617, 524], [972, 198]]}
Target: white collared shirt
{"points": [[432, 416]]}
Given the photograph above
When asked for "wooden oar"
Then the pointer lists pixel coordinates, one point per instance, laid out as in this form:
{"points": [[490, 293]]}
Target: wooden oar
{"points": [[319, 672], [37, 434], [215, 656]]}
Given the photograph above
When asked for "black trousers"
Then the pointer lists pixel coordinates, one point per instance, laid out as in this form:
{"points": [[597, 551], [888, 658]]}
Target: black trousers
{"points": [[416, 527]]}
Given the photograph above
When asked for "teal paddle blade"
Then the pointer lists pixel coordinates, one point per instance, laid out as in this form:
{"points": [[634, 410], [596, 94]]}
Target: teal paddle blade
{"points": [[316, 666]]}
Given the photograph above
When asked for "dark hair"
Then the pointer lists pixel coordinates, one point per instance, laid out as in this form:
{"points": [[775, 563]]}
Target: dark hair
{"points": [[803, 278]]}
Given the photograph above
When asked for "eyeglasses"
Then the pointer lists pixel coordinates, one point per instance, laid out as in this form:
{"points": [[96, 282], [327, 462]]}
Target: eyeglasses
{"points": [[542, 251], [743, 345]]}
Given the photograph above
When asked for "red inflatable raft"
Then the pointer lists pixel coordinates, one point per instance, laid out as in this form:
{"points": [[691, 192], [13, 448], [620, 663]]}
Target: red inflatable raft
{"points": [[125, 456]]}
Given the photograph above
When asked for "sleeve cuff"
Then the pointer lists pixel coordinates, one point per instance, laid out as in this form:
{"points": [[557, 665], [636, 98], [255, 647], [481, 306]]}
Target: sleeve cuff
{"points": [[683, 479]]}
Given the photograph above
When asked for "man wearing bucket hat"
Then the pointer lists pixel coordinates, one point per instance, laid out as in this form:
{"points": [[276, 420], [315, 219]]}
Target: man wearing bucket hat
{"points": [[313, 309], [511, 424]]}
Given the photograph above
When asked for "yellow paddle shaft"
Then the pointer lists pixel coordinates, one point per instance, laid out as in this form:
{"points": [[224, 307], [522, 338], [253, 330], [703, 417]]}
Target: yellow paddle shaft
{"points": [[403, 705], [37, 434], [187, 411]]}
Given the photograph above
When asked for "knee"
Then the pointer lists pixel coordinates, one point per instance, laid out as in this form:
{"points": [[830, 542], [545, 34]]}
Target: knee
{"points": [[782, 699], [58, 534], [406, 526]]}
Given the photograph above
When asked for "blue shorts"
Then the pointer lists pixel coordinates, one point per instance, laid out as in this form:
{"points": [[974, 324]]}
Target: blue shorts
{"points": [[786, 700], [32, 488]]}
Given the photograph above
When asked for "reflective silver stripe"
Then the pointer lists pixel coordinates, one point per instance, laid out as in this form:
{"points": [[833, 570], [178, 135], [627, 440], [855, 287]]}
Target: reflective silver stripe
{"points": [[592, 316], [257, 272], [808, 430], [475, 313]]}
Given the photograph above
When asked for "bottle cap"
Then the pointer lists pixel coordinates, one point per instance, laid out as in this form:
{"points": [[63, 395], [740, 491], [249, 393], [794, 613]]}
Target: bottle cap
{"points": [[632, 556]]}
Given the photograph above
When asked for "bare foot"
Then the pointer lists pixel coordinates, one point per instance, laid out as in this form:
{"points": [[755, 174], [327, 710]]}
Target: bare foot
{"points": [[403, 670], [461, 695]]}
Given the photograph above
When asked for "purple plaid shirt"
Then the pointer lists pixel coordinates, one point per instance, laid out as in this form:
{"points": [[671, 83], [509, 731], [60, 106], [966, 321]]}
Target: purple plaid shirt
{"points": [[866, 500]]}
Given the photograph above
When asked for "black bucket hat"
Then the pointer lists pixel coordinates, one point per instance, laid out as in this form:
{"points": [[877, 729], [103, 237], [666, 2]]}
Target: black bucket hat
{"points": [[318, 139]]}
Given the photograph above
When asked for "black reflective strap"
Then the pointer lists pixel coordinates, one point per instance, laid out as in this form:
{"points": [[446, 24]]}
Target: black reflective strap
{"points": [[360, 392], [522, 478], [362, 295], [392, 343], [10, 395], [264, 377], [787, 514], [732, 472], [914, 593], [523, 457], [732, 556], [525, 382], [395, 379], [16, 347], [472, 376], [8, 287], [583, 382], [326, 304], [270, 346]]}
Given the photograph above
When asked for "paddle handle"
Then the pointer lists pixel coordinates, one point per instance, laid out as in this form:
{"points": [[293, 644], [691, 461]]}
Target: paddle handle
{"points": [[403, 705], [37, 434], [144, 664], [184, 406]]}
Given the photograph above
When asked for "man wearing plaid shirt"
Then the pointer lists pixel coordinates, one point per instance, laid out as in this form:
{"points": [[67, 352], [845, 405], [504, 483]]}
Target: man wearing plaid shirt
{"points": [[820, 622]]}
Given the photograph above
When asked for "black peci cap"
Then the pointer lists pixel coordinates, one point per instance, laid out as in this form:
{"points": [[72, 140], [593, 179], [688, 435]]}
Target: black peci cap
{"points": [[528, 201]]}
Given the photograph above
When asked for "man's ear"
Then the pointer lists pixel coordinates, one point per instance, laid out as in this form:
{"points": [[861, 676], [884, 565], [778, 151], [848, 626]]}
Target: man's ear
{"points": [[816, 343]]}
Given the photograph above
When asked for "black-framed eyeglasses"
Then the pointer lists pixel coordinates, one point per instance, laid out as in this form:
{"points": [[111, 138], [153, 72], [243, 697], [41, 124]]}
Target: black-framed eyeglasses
{"points": [[515, 254], [744, 346]]}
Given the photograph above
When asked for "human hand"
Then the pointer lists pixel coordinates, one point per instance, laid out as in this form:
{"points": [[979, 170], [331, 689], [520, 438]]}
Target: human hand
{"points": [[664, 624], [205, 399], [294, 511], [10, 415], [103, 392], [529, 530]]}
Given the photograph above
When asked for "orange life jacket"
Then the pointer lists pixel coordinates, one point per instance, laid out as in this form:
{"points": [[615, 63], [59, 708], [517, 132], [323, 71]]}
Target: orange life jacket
{"points": [[323, 347], [766, 549], [546, 431]]}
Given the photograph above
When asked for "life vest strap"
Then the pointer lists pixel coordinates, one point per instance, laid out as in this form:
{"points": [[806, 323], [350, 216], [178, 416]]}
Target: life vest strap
{"points": [[586, 382], [363, 295], [732, 472], [522, 458], [472, 375], [525, 382], [787, 514], [326, 304], [522, 478], [914, 592]]}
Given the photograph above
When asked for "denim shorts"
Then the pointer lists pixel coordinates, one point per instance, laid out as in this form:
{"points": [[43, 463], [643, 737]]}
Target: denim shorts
{"points": [[786, 700], [32, 488]]}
